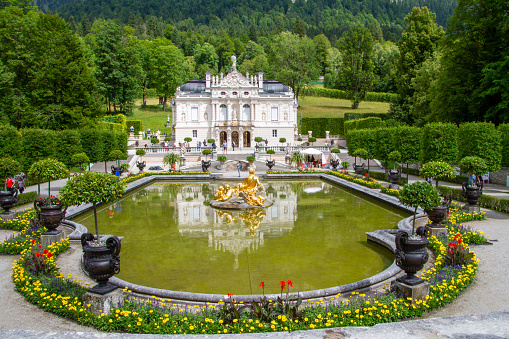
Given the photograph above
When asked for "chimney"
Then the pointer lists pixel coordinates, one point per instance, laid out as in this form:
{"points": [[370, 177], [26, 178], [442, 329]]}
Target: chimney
{"points": [[207, 80], [260, 80]]}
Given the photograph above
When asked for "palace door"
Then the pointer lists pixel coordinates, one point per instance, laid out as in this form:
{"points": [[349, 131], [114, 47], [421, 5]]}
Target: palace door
{"points": [[247, 139], [223, 137], [235, 138]]}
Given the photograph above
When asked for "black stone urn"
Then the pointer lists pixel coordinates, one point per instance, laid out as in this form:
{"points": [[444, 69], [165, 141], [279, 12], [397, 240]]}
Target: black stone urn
{"points": [[205, 164], [471, 193], [50, 216], [7, 200], [116, 170], [393, 175], [141, 165], [334, 163], [438, 214], [101, 261], [358, 168], [270, 164], [411, 255]]}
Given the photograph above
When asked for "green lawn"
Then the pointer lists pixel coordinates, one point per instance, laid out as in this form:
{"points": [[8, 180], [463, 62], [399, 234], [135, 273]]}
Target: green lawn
{"points": [[152, 115], [319, 107]]}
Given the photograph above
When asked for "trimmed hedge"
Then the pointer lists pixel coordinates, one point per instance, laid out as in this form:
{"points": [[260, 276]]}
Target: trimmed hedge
{"points": [[486, 201], [10, 141], [38, 144], [459, 179], [339, 94], [27, 198], [137, 124], [71, 144], [320, 125], [504, 143], [480, 139], [355, 115], [110, 126], [439, 142], [365, 123]]}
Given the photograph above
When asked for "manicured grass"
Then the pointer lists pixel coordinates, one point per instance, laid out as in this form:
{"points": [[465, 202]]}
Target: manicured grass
{"points": [[152, 115], [319, 107]]}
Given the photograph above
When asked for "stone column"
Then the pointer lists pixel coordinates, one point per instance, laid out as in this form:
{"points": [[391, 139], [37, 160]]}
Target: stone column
{"points": [[241, 138], [327, 135], [310, 134]]}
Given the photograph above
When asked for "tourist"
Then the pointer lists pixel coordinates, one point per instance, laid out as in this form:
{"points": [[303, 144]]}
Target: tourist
{"points": [[132, 129], [198, 144], [225, 147], [233, 145], [472, 179], [9, 183], [239, 167]]}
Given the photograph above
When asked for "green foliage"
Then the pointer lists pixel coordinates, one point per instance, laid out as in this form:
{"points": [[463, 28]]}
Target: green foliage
{"points": [[137, 124], [250, 158], [221, 158], [394, 156], [457, 254], [361, 153], [483, 140], [282, 140], [419, 194], [439, 143], [504, 143], [140, 152], [312, 139], [27, 198], [384, 143], [335, 150], [171, 158], [270, 151], [297, 158], [345, 164], [320, 125], [210, 141], [473, 164], [154, 140], [407, 141], [383, 177], [188, 139], [37, 144], [370, 122], [437, 170], [91, 187], [206, 152], [357, 71], [70, 141], [117, 155], [80, 159], [486, 200], [10, 141], [258, 139], [48, 170], [110, 126], [92, 144], [8, 167]]}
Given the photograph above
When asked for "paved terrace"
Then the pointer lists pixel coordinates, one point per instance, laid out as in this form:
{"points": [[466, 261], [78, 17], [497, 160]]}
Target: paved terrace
{"points": [[482, 311]]}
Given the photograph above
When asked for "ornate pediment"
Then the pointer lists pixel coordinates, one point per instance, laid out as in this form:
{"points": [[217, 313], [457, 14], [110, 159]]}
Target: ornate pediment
{"points": [[235, 80]]}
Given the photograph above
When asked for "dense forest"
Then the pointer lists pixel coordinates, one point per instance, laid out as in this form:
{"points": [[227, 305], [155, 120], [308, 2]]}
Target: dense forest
{"points": [[384, 18]]}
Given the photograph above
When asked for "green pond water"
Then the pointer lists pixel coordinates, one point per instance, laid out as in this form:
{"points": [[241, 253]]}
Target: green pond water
{"points": [[313, 235]]}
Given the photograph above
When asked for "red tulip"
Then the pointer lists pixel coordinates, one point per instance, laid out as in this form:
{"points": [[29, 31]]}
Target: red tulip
{"points": [[282, 284], [40, 245], [290, 283], [262, 284], [45, 251], [37, 255], [33, 241], [49, 255]]}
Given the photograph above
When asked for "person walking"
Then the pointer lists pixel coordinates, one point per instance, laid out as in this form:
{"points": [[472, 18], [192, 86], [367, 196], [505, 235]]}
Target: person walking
{"points": [[21, 184], [9, 183], [225, 147], [233, 145], [239, 167]]}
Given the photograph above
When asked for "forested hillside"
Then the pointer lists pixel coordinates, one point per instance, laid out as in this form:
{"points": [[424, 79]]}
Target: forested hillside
{"points": [[384, 18]]}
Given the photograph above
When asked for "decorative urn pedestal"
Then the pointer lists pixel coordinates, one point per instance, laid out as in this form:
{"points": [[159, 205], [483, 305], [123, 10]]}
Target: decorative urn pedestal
{"points": [[141, 165], [50, 216], [7, 200], [101, 262], [437, 215], [205, 164], [270, 164], [472, 195], [334, 164], [411, 255], [393, 177], [358, 168]]}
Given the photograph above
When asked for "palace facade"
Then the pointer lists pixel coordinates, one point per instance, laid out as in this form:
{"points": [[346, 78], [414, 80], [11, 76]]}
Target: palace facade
{"points": [[234, 108]]}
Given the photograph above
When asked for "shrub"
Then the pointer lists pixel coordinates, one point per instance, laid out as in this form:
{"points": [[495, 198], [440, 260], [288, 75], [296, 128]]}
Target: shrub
{"points": [[362, 124], [71, 140], [10, 142], [335, 150], [210, 141], [473, 165], [167, 139], [27, 198], [258, 139], [92, 144], [140, 152], [221, 158], [250, 158], [437, 170], [8, 167], [320, 125], [137, 124], [80, 159], [188, 139], [282, 140], [206, 152], [419, 194], [504, 143], [270, 151], [38, 144], [154, 141]]}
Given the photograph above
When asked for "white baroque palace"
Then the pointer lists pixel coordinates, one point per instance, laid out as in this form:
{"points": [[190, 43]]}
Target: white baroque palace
{"points": [[234, 108]]}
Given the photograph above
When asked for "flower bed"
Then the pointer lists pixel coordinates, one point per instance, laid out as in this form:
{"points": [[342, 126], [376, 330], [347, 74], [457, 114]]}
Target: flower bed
{"points": [[63, 297], [21, 241], [389, 191]]}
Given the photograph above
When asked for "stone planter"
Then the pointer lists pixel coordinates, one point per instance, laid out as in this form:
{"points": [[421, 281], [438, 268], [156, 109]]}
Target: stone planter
{"points": [[50, 216], [411, 255], [205, 164], [141, 165], [437, 215], [358, 168], [7, 200], [334, 163], [101, 262], [471, 193], [116, 170], [270, 164], [393, 175]]}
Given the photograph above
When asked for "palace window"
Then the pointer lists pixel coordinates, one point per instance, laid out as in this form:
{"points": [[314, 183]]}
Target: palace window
{"points": [[246, 113], [195, 133], [274, 133], [274, 114], [223, 113], [194, 113]]}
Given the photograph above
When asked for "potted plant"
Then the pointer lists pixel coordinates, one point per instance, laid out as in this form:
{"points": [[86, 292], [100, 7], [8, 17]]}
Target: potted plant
{"points": [[363, 154], [258, 140], [393, 174], [411, 253], [437, 170], [222, 160], [117, 155], [472, 189], [282, 141], [8, 198], [206, 152], [297, 158], [48, 169], [81, 160], [101, 256], [154, 141], [312, 140], [140, 164], [171, 159], [270, 152]]}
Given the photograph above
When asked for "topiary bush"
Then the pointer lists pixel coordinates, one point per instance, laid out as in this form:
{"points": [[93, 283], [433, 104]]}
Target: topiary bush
{"points": [[483, 140], [437, 170], [419, 194], [439, 142]]}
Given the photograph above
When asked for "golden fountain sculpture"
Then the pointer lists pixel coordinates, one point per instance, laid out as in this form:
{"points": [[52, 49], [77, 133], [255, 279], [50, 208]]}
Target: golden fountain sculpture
{"points": [[248, 194]]}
